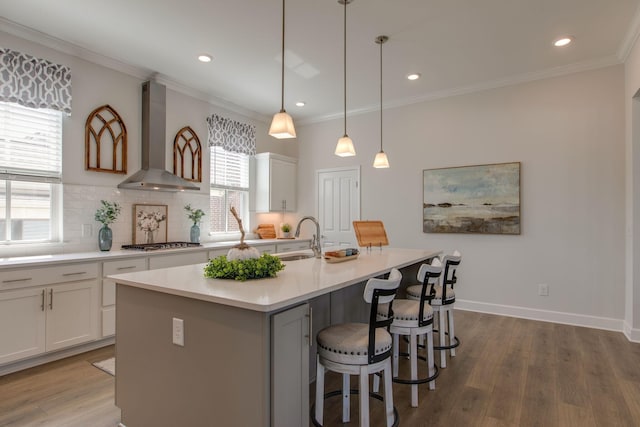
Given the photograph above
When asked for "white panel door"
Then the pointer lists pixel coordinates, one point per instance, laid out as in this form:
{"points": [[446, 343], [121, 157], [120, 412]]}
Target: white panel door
{"points": [[338, 205]]}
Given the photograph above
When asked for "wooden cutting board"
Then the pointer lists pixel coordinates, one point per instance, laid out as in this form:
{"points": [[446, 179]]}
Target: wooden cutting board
{"points": [[266, 231], [370, 233]]}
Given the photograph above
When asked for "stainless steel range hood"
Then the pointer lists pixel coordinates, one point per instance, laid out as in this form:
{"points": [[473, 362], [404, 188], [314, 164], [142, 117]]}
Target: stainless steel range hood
{"points": [[153, 175]]}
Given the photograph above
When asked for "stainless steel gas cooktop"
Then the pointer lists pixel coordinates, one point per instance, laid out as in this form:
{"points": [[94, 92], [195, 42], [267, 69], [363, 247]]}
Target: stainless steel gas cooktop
{"points": [[157, 246]]}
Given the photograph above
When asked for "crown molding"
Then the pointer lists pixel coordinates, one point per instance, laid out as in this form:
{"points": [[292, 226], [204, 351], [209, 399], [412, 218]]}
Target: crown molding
{"points": [[54, 43], [630, 38], [465, 90]]}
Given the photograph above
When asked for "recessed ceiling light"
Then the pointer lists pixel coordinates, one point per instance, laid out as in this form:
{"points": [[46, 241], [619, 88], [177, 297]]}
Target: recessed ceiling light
{"points": [[413, 76], [300, 104], [204, 58], [563, 41]]}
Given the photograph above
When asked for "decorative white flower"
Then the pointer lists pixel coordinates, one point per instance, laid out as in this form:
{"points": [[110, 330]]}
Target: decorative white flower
{"points": [[149, 221]]}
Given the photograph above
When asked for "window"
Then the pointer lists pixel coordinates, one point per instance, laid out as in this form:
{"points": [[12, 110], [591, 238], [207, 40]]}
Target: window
{"points": [[229, 187], [30, 174]]}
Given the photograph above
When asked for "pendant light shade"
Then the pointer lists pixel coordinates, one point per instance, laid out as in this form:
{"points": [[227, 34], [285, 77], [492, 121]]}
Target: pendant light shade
{"points": [[345, 145], [282, 126], [381, 160], [282, 123]]}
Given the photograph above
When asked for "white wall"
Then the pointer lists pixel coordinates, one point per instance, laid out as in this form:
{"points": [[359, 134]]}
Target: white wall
{"points": [[120, 86], [568, 134], [632, 155]]}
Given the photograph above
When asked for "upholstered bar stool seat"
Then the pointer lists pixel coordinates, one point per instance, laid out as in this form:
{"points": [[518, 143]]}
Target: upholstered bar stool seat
{"points": [[349, 343], [414, 318], [359, 349], [442, 301]]}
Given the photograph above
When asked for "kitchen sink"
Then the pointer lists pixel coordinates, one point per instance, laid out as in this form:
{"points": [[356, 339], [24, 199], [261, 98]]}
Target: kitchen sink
{"points": [[294, 257]]}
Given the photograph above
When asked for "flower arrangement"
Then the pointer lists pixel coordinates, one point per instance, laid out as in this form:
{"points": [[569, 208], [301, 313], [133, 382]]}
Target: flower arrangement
{"points": [[149, 221], [194, 215], [107, 213]]}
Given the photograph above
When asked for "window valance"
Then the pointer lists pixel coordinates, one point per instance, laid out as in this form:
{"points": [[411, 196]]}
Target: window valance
{"points": [[232, 135], [33, 82]]}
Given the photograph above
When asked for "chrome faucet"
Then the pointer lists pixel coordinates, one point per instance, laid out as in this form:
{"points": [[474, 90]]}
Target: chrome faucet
{"points": [[315, 242]]}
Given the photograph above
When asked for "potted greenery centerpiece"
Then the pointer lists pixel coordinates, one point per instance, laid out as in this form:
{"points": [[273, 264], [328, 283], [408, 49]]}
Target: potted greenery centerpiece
{"points": [[243, 262], [194, 215], [106, 215], [286, 230]]}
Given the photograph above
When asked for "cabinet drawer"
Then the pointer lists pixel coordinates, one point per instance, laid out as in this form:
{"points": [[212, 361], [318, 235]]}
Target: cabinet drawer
{"points": [[23, 277], [292, 246], [215, 253], [269, 249], [175, 260], [123, 266]]}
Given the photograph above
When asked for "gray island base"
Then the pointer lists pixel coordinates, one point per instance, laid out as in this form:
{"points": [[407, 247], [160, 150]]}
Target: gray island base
{"points": [[247, 345]]}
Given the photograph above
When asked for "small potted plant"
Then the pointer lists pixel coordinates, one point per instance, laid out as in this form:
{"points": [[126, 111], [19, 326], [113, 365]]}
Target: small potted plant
{"points": [[195, 215], [286, 230], [106, 214]]}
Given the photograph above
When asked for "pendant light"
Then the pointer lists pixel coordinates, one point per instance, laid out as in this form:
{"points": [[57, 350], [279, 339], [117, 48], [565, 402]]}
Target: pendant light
{"points": [[345, 145], [381, 160], [282, 123]]}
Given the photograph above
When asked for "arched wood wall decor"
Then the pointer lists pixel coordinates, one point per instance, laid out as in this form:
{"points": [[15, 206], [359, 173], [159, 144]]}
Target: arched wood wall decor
{"points": [[105, 141], [187, 149]]}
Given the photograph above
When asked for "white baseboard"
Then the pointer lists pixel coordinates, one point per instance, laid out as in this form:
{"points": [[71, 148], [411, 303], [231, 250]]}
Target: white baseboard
{"points": [[550, 316], [631, 334], [56, 355]]}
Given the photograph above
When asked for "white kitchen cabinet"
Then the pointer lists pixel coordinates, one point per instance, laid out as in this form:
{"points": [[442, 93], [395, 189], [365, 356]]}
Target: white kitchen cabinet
{"points": [[108, 308], [22, 323], [176, 260], [293, 246], [276, 178], [290, 341], [215, 253], [266, 249], [39, 319], [72, 314]]}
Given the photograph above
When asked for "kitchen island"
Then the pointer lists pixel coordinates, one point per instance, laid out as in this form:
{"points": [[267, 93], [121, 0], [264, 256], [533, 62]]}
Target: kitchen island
{"points": [[245, 358]]}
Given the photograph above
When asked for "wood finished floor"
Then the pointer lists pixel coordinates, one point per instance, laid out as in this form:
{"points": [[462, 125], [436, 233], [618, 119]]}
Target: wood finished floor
{"points": [[507, 372]]}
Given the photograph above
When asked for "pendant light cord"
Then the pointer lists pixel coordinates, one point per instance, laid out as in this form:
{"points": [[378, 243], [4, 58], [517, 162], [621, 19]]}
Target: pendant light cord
{"points": [[282, 74], [381, 43], [345, 68]]}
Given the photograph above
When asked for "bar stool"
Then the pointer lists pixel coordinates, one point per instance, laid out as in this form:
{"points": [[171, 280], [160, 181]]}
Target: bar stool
{"points": [[443, 303], [359, 349], [414, 318]]}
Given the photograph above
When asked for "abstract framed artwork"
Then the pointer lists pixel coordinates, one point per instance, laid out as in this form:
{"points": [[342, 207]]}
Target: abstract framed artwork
{"points": [[472, 199], [149, 224]]}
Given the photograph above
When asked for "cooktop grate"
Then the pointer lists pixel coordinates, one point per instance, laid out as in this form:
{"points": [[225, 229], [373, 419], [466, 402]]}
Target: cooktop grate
{"points": [[157, 246]]}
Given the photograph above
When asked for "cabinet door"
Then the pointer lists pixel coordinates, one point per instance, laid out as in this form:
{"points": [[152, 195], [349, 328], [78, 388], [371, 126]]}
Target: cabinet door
{"points": [[290, 339], [72, 314], [22, 324], [176, 260], [283, 186]]}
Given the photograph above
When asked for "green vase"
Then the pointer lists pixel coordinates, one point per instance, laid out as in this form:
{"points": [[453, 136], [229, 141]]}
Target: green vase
{"points": [[105, 238], [195, 234]]}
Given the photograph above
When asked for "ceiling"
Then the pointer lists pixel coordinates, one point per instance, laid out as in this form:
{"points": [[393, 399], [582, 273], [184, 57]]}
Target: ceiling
{"points": [[458, 46]]}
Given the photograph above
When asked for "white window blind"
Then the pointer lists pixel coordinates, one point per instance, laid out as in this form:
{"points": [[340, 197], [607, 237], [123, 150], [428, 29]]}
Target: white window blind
{"points": [[229, 170], [30, 143]]}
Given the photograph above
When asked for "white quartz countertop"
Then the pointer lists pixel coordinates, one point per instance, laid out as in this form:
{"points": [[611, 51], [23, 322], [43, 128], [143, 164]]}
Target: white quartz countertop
{"points": [[44, 260], [300, 281]]}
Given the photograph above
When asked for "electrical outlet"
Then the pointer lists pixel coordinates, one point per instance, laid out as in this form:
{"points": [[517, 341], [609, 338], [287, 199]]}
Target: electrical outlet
{"points": [[178, 332], [87, 230], [543, 290]]}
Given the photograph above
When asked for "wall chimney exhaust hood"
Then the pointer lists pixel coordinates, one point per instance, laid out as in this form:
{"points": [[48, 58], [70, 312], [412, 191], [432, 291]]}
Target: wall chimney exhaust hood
{"points": [[153, 175]]}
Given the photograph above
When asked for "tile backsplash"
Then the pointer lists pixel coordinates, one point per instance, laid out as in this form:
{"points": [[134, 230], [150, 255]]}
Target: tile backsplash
{"points": [[81, 203]]}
